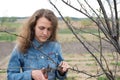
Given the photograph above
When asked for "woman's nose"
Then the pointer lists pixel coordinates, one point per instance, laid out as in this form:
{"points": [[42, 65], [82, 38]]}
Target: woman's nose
{"points": [[45, 32]]}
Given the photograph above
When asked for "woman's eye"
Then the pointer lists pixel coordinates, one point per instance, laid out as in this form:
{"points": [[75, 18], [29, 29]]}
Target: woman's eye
{"points": [[49, 29], [41, 28]]}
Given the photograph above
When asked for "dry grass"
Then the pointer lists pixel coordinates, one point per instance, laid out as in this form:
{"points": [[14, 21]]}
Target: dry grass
{"points": [[66, 38], [71, 38], [86, 63]]}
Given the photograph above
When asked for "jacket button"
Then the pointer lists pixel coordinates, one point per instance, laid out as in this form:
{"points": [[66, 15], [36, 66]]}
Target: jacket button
{"points": [[42, 57]]}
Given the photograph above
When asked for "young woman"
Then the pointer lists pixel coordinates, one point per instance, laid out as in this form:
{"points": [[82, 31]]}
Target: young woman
{"points": [[37, 55]]}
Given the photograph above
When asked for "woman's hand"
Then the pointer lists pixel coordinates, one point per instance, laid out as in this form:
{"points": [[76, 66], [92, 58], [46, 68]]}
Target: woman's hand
{"points": [[63, 67], [38, 75]]}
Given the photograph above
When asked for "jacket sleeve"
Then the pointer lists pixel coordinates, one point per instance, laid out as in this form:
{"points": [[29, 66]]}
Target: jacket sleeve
{"points": [[14, 68], [60, 58]]}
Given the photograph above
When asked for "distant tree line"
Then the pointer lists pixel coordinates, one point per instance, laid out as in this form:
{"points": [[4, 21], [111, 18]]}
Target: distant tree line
{"points": [[8, 19]]}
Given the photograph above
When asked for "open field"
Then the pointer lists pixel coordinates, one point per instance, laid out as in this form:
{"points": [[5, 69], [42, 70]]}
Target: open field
{"points": [[73, 51]]}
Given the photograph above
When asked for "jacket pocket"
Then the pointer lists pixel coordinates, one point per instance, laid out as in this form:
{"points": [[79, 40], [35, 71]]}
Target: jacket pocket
{"points": [[30, 62]]}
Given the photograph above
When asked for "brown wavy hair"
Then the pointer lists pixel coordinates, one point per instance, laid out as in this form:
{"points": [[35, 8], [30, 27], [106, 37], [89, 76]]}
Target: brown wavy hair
{"points": [[27, 32]]}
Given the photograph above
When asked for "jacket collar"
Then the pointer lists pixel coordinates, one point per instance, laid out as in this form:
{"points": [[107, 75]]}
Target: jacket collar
{"points": [[38, 44]]}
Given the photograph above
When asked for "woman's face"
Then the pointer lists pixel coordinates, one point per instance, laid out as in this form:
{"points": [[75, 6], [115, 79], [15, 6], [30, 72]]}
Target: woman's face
{"points": [[43, 29]]}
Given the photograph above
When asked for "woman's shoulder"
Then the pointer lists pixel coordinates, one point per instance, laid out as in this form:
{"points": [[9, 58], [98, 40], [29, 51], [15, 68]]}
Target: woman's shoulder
{"points": [[16, 50]]}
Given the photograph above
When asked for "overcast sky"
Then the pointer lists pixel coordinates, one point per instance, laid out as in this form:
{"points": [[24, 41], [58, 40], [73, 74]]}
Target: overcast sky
{"points": [[23, 8]]}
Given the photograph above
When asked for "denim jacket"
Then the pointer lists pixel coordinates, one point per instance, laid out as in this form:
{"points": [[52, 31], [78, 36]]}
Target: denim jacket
{"points": [[37, 56]]}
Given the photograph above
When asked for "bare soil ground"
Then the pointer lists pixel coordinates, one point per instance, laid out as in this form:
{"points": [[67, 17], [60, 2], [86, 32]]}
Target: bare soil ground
{"points": [[69, 48], [5, 49]]}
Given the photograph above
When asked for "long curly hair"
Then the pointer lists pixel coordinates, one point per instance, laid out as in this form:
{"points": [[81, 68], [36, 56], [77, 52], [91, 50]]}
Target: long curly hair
{"points": [[27, 32]]}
